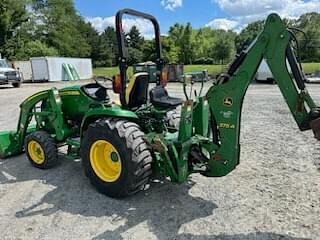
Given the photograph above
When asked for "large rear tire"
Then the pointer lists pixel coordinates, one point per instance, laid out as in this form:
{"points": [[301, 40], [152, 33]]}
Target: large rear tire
{"points": [[115, 157]]}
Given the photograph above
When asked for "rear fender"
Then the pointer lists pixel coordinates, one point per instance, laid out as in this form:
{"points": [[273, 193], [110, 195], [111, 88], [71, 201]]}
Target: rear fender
{"points": [[95, 114]]}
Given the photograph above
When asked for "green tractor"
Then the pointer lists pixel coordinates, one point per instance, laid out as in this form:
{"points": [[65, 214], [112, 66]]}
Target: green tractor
{"points": [[121, 146]]}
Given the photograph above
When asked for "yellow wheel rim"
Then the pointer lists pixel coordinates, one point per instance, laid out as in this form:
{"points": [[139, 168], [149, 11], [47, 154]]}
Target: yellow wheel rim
{"points": [[105, 161], [36, 152]]}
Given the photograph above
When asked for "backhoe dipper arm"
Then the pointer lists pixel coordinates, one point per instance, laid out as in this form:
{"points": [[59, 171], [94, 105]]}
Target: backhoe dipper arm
{"points": [[226, 98]]}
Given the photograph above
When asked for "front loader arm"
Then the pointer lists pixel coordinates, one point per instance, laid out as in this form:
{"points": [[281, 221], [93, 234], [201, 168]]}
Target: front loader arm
{"points": [[226, 98], [11, 142]]}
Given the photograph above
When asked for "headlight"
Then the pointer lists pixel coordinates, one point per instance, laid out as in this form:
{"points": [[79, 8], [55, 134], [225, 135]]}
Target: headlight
{"points": [[2, 73]]}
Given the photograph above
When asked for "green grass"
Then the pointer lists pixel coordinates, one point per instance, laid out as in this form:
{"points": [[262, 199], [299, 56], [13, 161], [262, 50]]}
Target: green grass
{"points": [[212, 69], [311, 67], [110, 71]]}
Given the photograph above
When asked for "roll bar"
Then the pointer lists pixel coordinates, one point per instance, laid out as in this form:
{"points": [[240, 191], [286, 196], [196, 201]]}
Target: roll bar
{"points": [[123, 51], [121, 36]]}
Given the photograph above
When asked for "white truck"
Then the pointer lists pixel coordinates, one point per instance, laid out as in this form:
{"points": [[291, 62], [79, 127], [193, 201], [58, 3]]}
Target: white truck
{"points": [[9, 75]]}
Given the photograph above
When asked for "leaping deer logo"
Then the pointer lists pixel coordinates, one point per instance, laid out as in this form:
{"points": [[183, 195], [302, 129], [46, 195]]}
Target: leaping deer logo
{"points": [[228, 101]]}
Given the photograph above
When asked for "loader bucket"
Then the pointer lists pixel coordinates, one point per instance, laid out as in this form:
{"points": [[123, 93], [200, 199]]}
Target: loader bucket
{"points": [[315, 126], [9, 144]]}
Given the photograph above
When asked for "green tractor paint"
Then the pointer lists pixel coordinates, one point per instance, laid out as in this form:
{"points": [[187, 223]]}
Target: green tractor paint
{"points": [[122, 145]]}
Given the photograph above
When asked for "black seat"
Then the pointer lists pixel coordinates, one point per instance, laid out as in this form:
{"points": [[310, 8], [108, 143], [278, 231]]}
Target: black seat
{"points": [[159, 97], [137, 90]]}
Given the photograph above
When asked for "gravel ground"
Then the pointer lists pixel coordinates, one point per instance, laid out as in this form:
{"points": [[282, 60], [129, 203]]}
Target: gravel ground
{"points": [[273, 194]]}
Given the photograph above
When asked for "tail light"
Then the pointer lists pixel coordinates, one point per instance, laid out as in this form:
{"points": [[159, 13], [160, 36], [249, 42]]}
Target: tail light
{"points": [[164, 77], [117, 84]]}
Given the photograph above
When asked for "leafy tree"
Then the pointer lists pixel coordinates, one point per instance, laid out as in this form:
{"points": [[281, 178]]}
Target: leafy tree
{"points": [[102, 54], [170, 50], [149, 51], [202, 42], [31, 28], [181, 35], [60, 27], [135, 40], [36, 49], [222, 47], [135, 43], [101, 49], [90, 35], [109, 35], [13, 14], [135, 56], [105, 52], [176, 32], [186, 47], [310, 41], [248, 34]]}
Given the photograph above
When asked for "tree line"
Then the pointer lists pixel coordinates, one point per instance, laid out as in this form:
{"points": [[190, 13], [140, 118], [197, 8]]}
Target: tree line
{"points": [[31, 28]]}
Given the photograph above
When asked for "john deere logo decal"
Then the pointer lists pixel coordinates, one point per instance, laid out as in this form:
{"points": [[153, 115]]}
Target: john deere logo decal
{"points": [[228, 101]]}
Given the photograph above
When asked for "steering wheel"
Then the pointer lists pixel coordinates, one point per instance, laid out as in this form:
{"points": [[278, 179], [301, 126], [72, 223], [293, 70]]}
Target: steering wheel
{"points": [[104, 82]]}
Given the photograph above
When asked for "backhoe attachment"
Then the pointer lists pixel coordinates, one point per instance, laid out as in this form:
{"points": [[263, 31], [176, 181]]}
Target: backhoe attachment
{"points": [[275, 45]]}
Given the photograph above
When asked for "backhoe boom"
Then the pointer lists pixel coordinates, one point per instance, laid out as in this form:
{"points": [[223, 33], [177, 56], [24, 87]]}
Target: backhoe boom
{"points": [[274, 44]]}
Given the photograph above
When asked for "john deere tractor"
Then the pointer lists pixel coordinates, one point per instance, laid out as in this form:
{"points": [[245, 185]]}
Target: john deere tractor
{"points": [[122, 145]]}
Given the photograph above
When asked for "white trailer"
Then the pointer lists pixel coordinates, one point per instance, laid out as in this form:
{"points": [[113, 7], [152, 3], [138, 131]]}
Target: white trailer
{"points": [[51, 68], [264, 74], [24, 67]]}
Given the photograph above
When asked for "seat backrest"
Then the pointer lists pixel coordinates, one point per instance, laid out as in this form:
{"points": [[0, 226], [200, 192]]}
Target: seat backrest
{"points": [[137, 90], [158, 92]]}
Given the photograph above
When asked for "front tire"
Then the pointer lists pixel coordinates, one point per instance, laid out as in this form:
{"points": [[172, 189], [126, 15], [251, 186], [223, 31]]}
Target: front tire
{"points": [[41, 150], [115, 157]]}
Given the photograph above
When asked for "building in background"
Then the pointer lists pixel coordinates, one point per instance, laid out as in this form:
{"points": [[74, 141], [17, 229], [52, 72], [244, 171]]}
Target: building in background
{"points": [[59, 69]]}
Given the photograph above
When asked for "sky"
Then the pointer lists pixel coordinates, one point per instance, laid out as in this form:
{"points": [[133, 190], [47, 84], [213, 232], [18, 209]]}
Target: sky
{"points": [[217, 14]]}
